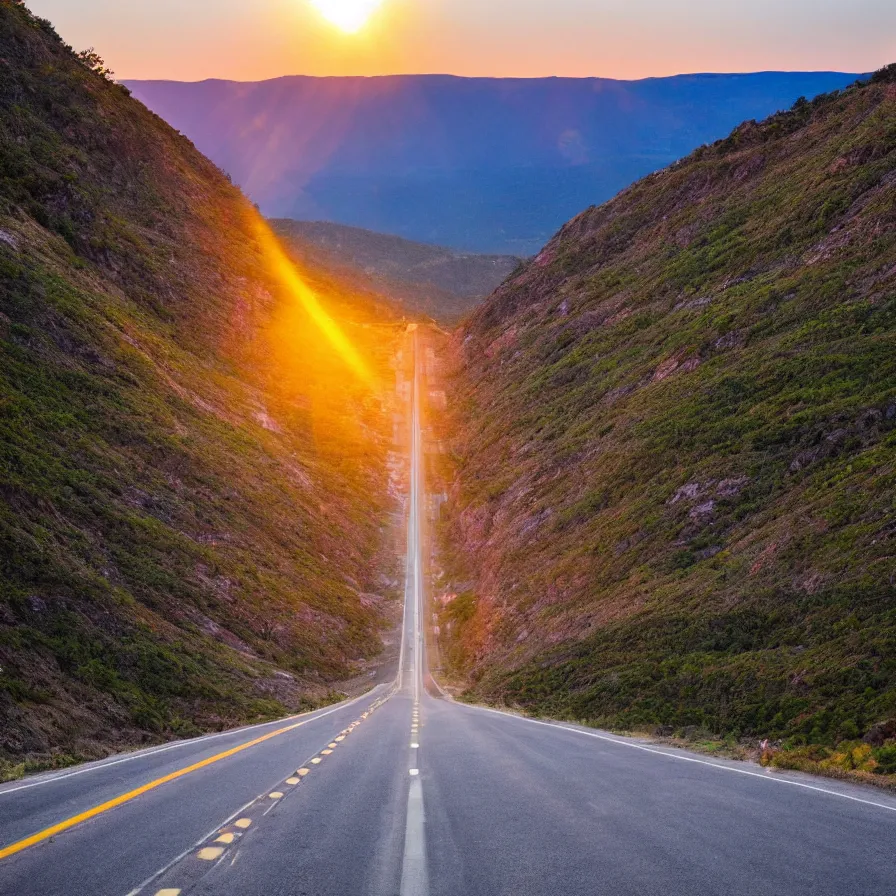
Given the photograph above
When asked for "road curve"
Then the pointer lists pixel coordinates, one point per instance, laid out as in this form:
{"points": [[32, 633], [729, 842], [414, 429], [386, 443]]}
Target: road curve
{"points": [[405, 792]]}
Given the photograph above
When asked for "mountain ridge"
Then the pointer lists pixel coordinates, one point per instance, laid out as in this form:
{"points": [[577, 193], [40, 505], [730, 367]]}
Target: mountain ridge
{"points": [[506, 162]]}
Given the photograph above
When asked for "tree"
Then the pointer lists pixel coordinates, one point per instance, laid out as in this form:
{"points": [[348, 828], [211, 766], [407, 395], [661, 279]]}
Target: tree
{"points": [[89, 58]]}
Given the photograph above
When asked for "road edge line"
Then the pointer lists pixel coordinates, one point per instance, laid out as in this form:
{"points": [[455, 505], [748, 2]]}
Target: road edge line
{"points": [[680, 758], [120, 800], [110, 762]]}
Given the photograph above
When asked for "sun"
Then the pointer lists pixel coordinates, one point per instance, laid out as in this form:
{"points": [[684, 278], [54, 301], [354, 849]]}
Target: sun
{"points": [[349, 15]]}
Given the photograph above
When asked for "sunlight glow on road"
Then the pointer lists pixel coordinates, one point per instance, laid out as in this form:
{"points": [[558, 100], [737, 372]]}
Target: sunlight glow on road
{"points": [[349, 15], [286, 272]]}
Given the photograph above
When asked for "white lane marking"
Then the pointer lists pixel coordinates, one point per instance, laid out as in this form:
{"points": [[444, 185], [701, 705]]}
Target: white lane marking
{"points": [[415, 746], [414, 877], [442, 691], [683, 758], [414, 534], [144, 754]]}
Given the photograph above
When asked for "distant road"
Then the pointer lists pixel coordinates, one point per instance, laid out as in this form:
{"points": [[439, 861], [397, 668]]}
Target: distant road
{"points": [[405, 792]]}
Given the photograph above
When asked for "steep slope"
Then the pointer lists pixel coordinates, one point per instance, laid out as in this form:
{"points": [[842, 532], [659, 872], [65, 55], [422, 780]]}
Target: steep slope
{"points": [[193, 486], [477, 164], [424, 279], [679, 492]]}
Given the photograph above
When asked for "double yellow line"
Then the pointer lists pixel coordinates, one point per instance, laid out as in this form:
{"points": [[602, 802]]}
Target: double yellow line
{"points": [[69, 823]]}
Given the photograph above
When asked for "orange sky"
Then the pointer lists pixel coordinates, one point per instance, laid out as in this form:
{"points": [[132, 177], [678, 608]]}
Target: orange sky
{"points": [[612, 38]]}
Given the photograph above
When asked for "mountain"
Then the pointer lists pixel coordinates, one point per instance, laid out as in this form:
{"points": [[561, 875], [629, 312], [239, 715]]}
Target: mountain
{"points": [[476, 164], [424, 279], [676, 434], [194, 501]]}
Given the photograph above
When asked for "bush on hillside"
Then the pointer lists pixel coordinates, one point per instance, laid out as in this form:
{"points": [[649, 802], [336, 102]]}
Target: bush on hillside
{"points": [[886, 75], [89, 58]]}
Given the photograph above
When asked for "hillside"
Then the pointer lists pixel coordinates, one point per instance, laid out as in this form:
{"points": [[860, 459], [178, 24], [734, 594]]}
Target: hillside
{"points": [[477, 164], [424, 279], [676, 505], [193, 486]]}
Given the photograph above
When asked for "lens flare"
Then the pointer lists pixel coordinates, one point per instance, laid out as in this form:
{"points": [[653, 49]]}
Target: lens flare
{"points": [[286, 272], [349, 15]]}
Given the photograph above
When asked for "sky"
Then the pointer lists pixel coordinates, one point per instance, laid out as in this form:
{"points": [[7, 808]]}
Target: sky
{"points": [[252, 40]]}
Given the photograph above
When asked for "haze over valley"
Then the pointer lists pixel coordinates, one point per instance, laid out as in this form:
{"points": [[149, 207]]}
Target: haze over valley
{"points": [[505, 162]]}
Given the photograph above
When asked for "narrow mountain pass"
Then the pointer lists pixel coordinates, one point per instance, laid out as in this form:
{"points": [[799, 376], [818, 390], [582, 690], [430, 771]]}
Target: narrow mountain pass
{"points": [[405, 791], [351, 562]]}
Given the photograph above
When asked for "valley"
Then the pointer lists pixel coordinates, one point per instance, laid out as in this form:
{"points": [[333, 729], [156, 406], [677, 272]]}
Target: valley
{"points": [[489, 165], [422, 280]]}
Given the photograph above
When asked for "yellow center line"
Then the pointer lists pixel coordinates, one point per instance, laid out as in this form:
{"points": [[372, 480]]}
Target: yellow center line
{"points": [[69, 823]]}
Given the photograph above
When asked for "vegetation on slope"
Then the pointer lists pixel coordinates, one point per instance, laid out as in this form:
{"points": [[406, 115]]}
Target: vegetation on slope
{"points": [[676, 442], [424, 279], [193, 488]]}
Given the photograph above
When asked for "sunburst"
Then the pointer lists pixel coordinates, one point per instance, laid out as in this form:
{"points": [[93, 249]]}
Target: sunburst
{"points": [[349, 15]]}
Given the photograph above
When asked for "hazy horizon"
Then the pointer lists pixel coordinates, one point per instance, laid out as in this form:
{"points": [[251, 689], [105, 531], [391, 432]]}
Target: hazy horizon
{"points": [[769, 71], [566, 38]]}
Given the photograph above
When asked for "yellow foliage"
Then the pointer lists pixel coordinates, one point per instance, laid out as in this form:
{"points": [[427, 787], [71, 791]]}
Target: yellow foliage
{"points": [[852, 758]]}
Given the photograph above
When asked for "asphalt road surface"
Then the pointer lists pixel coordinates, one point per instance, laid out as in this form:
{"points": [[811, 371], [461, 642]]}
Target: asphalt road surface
{"points": [[406, 793]]}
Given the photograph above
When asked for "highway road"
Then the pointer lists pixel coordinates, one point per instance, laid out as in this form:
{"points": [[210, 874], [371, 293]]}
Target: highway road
{"points": [[405, 793]]}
